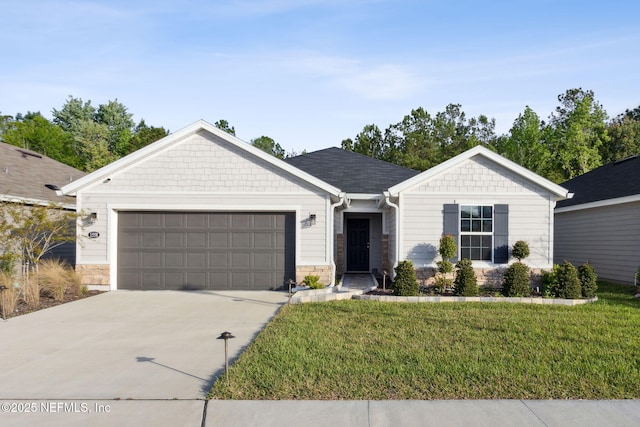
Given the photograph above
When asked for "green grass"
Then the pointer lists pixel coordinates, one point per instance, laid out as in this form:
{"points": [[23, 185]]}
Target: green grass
{"points": [[371, 350]]}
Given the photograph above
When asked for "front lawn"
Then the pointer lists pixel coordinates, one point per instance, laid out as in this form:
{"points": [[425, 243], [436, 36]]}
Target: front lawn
{"points": [[373, 350]]}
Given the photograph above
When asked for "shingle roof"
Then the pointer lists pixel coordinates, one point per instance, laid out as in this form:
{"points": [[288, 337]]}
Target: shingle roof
{"points": [[25, 173], [351, 172], [611, 181]]}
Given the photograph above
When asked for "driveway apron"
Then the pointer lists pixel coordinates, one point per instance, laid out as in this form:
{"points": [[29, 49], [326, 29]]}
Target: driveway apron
{"points": [[129, 344]]}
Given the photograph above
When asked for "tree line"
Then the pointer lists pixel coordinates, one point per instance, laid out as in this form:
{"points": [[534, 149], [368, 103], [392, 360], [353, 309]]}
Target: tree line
{"points": [[88, 137], [577, 137]]}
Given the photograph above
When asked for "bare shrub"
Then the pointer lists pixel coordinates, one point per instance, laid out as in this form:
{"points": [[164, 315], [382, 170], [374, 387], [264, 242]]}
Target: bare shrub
{"points": [[30, 291], [52, 277], [10, 295], [74, 282]]}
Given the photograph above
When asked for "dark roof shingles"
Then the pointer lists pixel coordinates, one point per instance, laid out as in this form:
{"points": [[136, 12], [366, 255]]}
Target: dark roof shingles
{"points": [[351, 172], [611, 181]]}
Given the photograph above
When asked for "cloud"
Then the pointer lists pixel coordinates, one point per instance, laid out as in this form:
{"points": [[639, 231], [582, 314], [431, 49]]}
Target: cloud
{"points": [[365, 78]]}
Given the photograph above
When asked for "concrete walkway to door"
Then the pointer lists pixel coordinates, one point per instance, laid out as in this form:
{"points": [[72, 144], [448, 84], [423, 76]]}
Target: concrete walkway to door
{"points": [[126, 346]]}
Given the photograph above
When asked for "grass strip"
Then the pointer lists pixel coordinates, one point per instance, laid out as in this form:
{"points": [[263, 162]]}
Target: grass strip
{"points": [[373, 350]]}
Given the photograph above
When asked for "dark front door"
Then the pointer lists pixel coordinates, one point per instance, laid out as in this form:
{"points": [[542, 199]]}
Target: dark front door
{"points": [[358, 244]]}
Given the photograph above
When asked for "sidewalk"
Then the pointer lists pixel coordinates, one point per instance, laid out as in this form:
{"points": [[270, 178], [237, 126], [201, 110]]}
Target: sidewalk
{"points": [[364, 413]]}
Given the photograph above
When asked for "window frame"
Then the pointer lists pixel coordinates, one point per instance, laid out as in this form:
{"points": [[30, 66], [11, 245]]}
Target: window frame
{"points": [[481, 234]]}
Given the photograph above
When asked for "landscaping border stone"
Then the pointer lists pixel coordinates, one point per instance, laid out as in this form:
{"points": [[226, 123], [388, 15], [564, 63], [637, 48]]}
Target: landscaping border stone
{"points": [[437, 299]]}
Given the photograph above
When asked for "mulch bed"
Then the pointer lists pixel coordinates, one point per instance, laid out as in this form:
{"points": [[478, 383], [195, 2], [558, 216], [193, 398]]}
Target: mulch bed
{"points": [[47, 301]]}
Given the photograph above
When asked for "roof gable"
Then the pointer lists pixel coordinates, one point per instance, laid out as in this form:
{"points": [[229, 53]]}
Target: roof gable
{"points": [[24, 175], [352, 172], [167, 143], [482, 152], [615, 180]]}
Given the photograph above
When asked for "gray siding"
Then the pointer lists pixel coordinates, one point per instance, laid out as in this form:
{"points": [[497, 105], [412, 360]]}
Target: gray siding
{"points": [[476, 181], [606, 237]]}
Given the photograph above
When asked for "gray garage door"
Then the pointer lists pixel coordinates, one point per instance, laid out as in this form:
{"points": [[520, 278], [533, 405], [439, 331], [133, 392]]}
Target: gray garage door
{"points": [[205, 250]]}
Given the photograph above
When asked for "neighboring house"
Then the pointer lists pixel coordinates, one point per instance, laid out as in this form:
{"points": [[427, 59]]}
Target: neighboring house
{"points": [[601, 224], [201, 209], [24, 176]]}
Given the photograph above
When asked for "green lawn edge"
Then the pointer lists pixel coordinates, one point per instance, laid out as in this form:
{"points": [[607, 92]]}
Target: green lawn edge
{"points": [[359, 350]]}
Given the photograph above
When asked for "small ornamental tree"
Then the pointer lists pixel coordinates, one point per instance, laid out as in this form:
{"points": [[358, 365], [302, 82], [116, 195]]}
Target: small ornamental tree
{"points": [[465, 283], [405, 283], [588, 280], [447, 250], [33, 231], [569, 285], [520, 250]]}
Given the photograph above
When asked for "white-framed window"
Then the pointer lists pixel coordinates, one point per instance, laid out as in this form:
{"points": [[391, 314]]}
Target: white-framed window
{"points": [[476, 232]]}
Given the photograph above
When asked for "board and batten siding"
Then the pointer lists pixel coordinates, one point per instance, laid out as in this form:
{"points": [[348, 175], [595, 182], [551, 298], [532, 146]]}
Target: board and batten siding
{"points": [[477, 181], [607, 237]]}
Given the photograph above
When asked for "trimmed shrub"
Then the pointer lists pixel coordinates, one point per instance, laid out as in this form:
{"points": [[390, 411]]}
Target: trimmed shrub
{"points": [[568, 282], [516, 281], [550, 282], [588, 280], [520, 250], [312, 281], [405, 283], [448, 247], [465, 283]]}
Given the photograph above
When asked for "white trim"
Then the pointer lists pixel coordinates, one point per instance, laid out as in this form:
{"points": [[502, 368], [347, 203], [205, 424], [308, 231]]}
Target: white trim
{"points": [[166, 142], [36, 202], [600, 204], [204, 193], [555, 189], [364, 196]]}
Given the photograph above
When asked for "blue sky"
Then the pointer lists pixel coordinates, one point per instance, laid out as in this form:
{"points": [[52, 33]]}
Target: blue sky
{"points": [[309, 73]]}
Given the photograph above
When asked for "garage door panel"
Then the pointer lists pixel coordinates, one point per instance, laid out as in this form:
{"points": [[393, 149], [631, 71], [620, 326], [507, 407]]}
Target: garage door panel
{"points": [[152, 240], [152, 260], [196, 260], [219, 240], [241, 240], [174, 240], [219, 260], [154, 220], [242, 221], [264, 240], [173, 260], [205, 250], [240, 260]]}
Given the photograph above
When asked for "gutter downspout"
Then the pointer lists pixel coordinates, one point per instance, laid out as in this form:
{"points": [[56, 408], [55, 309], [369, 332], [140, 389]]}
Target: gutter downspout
{"points": [[396, 208], [340, 202]]}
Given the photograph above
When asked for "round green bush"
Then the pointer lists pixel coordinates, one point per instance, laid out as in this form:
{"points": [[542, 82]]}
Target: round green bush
{"points": [[588, 280], [569, 285], [520, 250], [405, 283], [516, 281], [465, 283]]}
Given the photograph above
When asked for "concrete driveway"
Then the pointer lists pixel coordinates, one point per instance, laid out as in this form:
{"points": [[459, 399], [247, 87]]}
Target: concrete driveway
{"points": [[129, 345]]}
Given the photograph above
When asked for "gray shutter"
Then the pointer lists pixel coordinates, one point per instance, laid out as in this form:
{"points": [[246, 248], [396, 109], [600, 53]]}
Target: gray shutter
{"points": [[500, 234], [451, 222]]}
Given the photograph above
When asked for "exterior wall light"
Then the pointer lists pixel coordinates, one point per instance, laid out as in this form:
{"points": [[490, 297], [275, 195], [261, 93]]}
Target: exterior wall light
{"points": [[312, 219]]}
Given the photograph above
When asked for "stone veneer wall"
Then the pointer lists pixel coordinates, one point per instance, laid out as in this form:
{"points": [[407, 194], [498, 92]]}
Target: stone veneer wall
{"points": [[486, 276], [94, 274], [386, 264], [324, 271], [339, 254]]}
